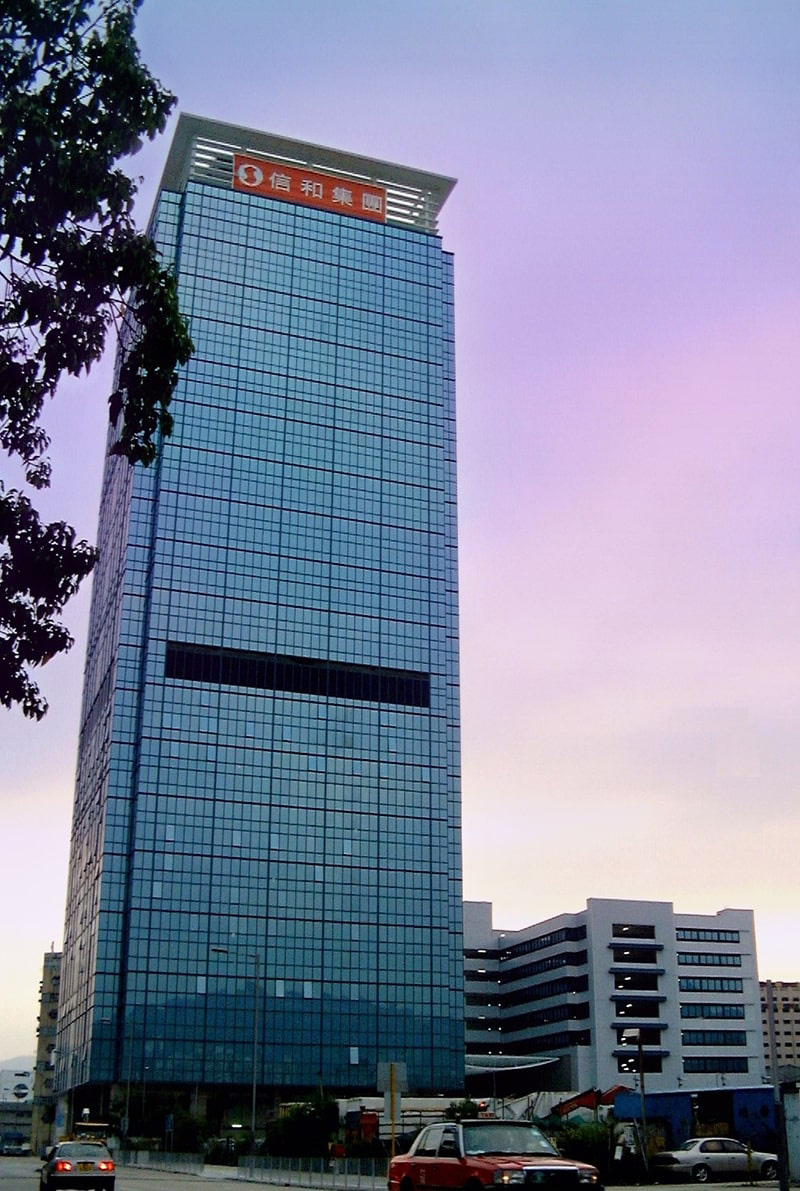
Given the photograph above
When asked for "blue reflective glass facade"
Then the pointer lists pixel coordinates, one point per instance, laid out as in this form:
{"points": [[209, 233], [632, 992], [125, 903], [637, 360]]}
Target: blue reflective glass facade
{"points": [[267, 813]]}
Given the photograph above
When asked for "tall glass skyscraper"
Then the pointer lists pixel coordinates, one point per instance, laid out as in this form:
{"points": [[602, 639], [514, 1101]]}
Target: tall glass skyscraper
{"points": [[265, 879]]}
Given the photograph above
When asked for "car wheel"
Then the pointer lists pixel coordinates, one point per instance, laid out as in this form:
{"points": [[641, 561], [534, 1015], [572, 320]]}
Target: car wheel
{"points": [[406, 1184], [769, 1170], [701, 1174]]}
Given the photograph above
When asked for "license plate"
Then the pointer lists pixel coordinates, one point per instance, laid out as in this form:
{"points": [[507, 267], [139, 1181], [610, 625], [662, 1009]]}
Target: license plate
{"points": [[86, 1166]]}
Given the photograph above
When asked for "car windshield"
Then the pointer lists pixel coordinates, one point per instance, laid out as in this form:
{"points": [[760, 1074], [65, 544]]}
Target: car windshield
{"points": [[687, 1145], [505, 1137], [82, 1149]]}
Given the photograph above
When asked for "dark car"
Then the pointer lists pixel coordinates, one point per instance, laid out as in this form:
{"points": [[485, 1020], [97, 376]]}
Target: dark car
{"points": [[703, 1158], [486, 1153], [78, 1164]]}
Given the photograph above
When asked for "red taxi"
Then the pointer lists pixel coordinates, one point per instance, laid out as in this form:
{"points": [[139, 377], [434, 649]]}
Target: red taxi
{"points": [[487, 1153]]}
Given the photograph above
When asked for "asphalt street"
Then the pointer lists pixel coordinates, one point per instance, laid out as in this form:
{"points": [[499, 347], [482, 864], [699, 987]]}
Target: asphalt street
{"points": [[22, 1174]]}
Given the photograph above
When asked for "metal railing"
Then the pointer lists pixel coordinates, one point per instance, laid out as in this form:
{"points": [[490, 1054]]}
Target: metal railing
{"points": [[337, 1174], [157, 1160]]}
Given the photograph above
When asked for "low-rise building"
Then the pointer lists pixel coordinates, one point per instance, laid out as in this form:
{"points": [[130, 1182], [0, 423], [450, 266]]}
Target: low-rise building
{"points": [[16, 1100], [44, 1097], [615, 989]]}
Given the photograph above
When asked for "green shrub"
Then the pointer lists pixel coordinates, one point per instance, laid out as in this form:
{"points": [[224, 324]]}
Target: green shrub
{"points": [[588, 1141], [304, 1130], [459, 1110]]}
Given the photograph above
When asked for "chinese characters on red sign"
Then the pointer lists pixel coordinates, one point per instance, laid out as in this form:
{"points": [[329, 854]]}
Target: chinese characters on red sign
{"points": [[342, 195]]}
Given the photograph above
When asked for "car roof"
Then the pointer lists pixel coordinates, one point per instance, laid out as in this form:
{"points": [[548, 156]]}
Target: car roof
{"points": [[495, 1121], [486, 1122], [85, 1145]]}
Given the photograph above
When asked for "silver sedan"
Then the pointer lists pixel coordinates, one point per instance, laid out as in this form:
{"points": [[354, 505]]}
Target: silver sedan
{"points": [[78, 1164], [702, 1158]]}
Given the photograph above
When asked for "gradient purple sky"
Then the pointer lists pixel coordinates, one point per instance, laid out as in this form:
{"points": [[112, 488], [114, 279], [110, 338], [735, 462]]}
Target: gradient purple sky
{"points": [[626, 228]]}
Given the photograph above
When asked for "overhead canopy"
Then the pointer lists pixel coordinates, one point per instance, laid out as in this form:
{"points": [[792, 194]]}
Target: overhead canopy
{"points": [[486, 1064]]}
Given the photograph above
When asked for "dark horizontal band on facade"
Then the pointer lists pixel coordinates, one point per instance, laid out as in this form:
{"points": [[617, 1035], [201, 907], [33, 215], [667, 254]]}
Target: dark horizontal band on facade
{"points": [[302, 676]]}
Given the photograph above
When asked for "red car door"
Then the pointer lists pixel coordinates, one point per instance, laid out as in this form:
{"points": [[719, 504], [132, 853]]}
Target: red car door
{"points": [[450, 1164], [424, 1161]]}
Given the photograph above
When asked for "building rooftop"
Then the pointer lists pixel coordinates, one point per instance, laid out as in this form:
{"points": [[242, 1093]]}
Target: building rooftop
{"points": [[204, 150]]}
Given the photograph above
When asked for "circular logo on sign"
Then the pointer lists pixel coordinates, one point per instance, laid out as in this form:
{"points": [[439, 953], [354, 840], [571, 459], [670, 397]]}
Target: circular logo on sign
{"points": [[249, 174]]}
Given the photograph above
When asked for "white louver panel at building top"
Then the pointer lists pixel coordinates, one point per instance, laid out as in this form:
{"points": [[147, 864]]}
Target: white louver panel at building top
{"points": [[204, 150]]}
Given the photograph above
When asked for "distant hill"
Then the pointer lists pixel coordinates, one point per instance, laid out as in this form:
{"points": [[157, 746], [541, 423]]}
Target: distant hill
{"points": [[20, 1063]]}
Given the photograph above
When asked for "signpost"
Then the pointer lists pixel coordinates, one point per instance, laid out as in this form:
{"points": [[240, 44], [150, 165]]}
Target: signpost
{"points": [[392, 1081]]}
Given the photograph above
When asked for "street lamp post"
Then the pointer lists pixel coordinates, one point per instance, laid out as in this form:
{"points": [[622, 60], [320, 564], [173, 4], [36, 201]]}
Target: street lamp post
{"points": [[128, 1044], [255, 956], [71, 1115], [636, 1035], [145, 1069]]}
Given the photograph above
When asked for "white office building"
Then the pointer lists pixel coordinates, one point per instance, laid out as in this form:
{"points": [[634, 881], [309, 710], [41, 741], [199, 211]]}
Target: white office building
{"points": [[619, 987]]}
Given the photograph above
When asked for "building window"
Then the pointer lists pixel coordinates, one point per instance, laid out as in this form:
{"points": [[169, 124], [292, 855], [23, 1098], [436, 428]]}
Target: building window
{"points": [[718, 1064], [541, 1044], [567, 934], [632, 930], [572, 1011], [638, 1008], [711, 1009], [732, 984], [306, 676], [638, 955], [630, 1066], [550, 963], [694, 935], [563, 987], [701, 959], [636, 981], [649, 1037], [714, 1037]]}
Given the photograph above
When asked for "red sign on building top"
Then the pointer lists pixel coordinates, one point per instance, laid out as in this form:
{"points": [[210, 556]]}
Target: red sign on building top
{"points": [[312, 189]]}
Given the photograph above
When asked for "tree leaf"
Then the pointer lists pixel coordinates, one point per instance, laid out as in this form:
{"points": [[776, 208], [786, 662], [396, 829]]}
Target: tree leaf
{"points": [[75, 100]]}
